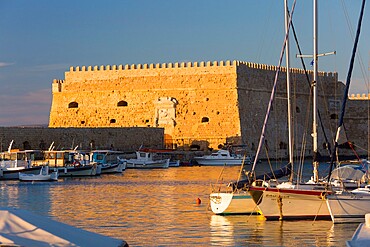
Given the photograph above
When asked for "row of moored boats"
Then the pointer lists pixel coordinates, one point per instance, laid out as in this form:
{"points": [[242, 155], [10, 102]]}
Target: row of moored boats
{"points": [[37, 165]]}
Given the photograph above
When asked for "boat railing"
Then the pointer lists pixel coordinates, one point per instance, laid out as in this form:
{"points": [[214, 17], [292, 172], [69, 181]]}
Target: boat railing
{"points": [[221, 188]]}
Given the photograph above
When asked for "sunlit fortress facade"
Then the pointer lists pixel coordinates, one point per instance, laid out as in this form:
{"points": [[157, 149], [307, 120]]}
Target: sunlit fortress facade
{"points": [[199, 104]]}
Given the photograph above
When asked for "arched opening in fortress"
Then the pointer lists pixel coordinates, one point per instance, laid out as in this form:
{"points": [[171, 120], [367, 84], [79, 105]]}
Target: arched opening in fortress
{"points": [[122, 103], [73, 105]]}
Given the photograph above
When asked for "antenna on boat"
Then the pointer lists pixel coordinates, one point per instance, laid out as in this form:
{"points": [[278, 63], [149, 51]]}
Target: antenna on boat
{"points": [[10, 146], [51, 147], [287, 57]]}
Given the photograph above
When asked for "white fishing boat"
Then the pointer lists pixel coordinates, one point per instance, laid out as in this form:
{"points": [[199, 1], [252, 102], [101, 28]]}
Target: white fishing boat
{"points": [[44, 175], [223, 157], [77, 171], [14, 161], [163, 154], [144, 160], [70, 163], [108, 160]]}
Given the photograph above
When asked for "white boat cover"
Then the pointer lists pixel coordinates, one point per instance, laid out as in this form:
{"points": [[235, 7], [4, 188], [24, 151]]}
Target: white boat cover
{"points": [[347, 173], [22, 228]]}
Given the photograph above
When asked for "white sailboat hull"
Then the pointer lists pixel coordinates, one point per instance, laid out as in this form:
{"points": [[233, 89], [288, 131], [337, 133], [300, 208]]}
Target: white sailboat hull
{"points": [[285, 204], [232, 203], [348, 207]]}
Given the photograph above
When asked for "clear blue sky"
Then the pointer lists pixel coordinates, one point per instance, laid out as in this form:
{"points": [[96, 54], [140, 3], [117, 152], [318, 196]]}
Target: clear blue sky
{"points": [[41, 39]]}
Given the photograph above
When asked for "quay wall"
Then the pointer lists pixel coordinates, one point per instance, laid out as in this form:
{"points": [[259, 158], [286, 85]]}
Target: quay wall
{"points": [[124, 139], [202, 105]]}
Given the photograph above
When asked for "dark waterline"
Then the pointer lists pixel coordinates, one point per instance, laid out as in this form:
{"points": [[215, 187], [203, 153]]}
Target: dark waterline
{"points": [[158, 208]]}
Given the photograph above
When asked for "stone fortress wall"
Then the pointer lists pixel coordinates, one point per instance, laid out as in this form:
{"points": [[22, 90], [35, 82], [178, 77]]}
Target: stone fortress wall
{"points": [[85, 138], [205, 105]]}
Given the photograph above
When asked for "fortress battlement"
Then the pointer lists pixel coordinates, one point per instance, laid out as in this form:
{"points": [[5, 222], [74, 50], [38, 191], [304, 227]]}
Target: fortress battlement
{"points": [[184, 65], [359, 96]]}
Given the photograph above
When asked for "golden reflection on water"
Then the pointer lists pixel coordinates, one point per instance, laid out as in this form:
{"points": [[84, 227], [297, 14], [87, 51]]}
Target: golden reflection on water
{"points": [[158, 208]]}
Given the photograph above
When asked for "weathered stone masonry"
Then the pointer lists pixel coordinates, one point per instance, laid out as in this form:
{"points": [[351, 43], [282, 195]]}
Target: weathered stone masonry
{"points": [[203, 104], [127, 139]]}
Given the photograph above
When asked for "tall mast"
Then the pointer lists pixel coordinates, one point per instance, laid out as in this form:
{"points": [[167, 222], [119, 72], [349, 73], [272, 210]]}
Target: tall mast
{"points": [[287, 57], [314, 89]]}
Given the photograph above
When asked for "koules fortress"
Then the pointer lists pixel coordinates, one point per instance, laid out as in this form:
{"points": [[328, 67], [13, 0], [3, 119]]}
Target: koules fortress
{"points": [[203, 104]]}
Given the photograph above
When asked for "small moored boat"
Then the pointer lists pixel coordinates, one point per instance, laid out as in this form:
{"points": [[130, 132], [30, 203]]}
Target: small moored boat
{"points": [[109, 161], [223, 157], [44, 175], [144, 160]]}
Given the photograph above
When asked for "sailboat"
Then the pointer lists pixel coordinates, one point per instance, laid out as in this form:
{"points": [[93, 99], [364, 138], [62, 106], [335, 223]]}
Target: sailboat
{"points": [[236, 198], [296, 201], [232, 199], [344, 205], [309, 201]]}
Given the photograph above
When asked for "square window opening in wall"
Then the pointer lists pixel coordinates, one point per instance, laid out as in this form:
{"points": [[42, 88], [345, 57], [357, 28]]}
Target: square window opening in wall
{"points": [[205, 119], [82, 122], [112, 120]]}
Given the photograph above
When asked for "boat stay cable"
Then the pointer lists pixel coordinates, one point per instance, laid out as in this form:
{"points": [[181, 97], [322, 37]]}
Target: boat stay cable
{"points": [[272, 96], [346, 90]]}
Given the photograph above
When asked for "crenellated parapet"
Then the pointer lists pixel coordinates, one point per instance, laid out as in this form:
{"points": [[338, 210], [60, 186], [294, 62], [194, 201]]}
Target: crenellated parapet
{"points": [[283, 69], [202, 64], [155, 66], [57, 86], [359, 96]]}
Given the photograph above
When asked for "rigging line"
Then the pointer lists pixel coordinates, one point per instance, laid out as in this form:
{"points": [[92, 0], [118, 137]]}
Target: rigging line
{"points": [[308, 81], [360, 60], [348, 82], [241, 168], [304, 139], [269, 162], [262, 137]]}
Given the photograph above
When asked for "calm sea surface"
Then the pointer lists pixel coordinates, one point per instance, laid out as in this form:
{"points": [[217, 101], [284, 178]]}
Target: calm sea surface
{"points": [[158, 208]]}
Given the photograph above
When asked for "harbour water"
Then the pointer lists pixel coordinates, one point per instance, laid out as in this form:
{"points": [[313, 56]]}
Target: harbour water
{"points": [[158, 208]]}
